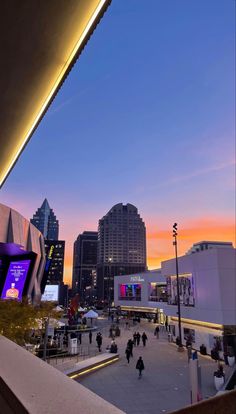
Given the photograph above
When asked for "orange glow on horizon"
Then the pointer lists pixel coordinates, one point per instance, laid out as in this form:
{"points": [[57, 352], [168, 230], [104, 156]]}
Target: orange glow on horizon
{"points": [[159, 243]]}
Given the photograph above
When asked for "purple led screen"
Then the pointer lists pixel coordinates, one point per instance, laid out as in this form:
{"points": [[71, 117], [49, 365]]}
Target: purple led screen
{"points": [[15, 280]]}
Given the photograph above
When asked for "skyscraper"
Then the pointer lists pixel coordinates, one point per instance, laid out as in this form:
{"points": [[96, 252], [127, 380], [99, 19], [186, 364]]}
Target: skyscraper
{"points": [[54, 268], [121, 246], [46, 222], [84, 265]]}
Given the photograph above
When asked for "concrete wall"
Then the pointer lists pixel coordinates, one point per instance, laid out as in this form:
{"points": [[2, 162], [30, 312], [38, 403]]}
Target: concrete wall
{"points": [[42, 389], [214, 274]]}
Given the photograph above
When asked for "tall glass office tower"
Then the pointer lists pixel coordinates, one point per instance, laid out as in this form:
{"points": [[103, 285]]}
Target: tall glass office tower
{"points": [[46, 222]]}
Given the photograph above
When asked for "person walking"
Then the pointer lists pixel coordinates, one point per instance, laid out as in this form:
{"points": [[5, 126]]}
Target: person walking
{"points": [[80, 338], [135, 338], [156, 332], [140, 366], [99, 340], [127, 353], [90, 337], [138, 338], [130, 345], [144, 338], [166, 325]]}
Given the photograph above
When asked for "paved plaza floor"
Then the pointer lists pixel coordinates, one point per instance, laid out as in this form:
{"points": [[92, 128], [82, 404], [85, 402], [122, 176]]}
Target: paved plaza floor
{"points": [[164, 386]]}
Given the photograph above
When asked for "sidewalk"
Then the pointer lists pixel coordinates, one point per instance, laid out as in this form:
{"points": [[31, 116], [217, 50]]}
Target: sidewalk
{"points": [[86, 350], [164, 386]]}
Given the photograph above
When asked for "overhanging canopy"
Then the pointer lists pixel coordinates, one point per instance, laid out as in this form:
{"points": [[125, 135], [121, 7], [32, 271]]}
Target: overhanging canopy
{"points": [[40, 41]]}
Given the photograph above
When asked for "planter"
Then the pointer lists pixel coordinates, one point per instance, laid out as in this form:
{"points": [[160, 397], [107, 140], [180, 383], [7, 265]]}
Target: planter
{"points": [[231, 360], [219, 382]]}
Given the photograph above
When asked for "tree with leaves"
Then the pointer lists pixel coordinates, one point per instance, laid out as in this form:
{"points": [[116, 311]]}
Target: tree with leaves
{"points": [[18, 319]]}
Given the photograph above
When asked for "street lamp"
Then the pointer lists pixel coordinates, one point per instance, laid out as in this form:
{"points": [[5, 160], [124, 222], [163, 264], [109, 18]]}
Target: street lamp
{"points": [[109, 290], [180, 345]]}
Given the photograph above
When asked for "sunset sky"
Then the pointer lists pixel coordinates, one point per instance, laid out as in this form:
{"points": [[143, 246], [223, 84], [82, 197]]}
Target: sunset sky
{"points": [[146, 116]]}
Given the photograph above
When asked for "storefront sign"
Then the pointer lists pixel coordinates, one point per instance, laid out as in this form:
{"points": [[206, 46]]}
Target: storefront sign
{"points": [[136, 279]]}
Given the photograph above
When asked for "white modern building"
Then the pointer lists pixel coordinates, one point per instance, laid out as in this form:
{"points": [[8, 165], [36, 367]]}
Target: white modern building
{"points": [[207, 281], [142, 293]]}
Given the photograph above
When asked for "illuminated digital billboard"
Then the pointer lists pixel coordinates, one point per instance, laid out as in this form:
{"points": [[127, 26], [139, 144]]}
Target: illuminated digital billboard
{"points": [[15, 280], [130, 291], [157, 292], [186, 290], [51, 293]]}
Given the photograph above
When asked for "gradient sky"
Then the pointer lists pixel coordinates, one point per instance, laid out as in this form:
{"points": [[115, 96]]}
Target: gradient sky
{"points": [[146, 116]]}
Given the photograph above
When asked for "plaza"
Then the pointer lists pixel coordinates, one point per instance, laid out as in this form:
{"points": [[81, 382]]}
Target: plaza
{"points": [[164, 386]]}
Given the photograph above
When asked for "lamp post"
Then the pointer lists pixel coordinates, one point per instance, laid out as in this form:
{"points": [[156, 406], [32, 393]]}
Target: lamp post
{"points": [[180, 346], [45, 339], [109, 289]]}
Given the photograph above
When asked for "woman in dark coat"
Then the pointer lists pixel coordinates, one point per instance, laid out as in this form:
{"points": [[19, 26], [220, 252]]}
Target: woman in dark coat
{"points": [[144, 338], [140, 366]]}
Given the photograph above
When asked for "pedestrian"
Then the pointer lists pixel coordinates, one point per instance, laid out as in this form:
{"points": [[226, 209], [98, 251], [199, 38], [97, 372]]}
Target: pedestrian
{"points": [[138, 338], [156, 332], [135, 338], [130, 345], [189, 352], [127, 353], [99, 340], [112, 317], [80, 338], [126, 324], [144, 338], [140, 366], [90, 337], [166, 325]]}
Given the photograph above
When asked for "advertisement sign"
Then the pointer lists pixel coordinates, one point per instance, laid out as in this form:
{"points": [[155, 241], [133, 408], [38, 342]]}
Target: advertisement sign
{"points": [[130, 291], [50, 293], [136, 279], [157, 292], [15, 280], [186, 290]]}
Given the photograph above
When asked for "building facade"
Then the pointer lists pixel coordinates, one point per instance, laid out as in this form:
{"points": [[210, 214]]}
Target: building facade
{"points": [[84, 278], [46, 222], [207, 282], [121, 247], [205, 245], [22, 255], [54, 268]]}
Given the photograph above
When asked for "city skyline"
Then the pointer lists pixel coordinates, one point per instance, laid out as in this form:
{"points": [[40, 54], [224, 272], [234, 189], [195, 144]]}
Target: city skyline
{"points": [[211, 228], [144, 120]]}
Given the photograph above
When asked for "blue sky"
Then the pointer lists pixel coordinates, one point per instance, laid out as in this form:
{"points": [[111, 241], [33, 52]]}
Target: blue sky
{"points": [[146, 116]]}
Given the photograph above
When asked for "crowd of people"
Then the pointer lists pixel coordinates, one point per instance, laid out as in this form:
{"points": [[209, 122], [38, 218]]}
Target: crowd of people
{"points": [[134, 342]]}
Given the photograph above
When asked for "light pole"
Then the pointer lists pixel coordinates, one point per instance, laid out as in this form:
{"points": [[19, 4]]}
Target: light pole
{"points": [[109, 290], [45, 339], [180, 346]]}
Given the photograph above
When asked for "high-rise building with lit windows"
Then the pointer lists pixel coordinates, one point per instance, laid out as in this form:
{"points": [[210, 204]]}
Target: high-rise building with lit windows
{"points": [[45, 220], [84, 278], [121, 246]]}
